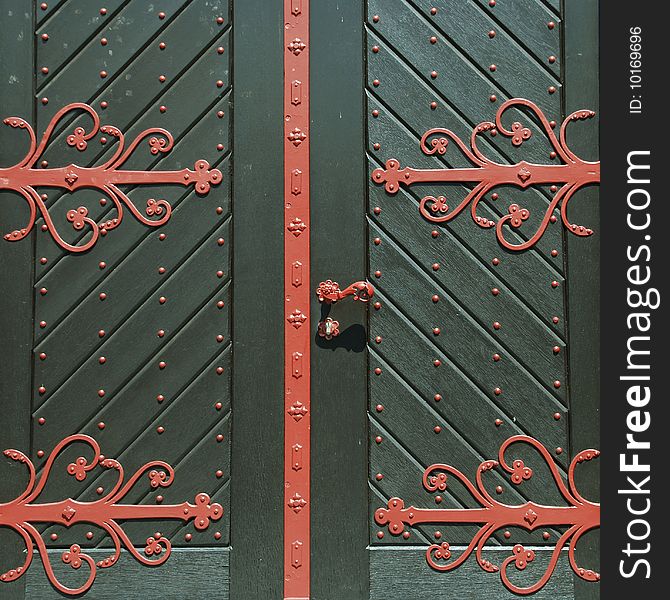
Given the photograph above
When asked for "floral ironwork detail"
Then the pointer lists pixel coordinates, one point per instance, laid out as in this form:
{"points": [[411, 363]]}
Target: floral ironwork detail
{"points": [[25, 177], [572, 175], [329, 328], [22, 513], [579, 515], [329, 291]]}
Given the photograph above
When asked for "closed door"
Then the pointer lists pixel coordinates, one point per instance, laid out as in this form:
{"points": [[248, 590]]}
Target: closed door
{"points": [[300, 299]]}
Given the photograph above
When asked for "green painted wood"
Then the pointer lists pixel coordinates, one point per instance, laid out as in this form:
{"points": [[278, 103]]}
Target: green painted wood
{"points": [[197, 573], [16, 260], [581, 62], [258, 228], [403, 573], [338, 180]]}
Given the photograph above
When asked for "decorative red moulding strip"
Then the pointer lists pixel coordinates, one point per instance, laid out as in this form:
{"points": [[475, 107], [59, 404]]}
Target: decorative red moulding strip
{"points": [[22, 513], [297, 338], [579, 516], [24, 177], [573, 174]]}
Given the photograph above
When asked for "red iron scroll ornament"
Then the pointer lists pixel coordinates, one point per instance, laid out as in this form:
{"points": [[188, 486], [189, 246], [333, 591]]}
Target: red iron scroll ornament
{"points": [[24, 177], [579, 516], [21, 514], [573, 174]]}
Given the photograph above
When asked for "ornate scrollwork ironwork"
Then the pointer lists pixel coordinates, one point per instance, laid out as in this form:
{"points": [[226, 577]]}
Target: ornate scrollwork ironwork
{"points": [[22, 513], [573, 174], [579, 516], [24, 177]]}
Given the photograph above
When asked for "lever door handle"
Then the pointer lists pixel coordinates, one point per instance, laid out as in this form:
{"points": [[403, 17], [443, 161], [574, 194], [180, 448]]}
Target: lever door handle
{"points": [[329, 292]]}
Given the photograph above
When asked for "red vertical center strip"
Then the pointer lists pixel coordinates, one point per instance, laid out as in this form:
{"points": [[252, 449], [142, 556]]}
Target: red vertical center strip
{"points": [[297, 301]]}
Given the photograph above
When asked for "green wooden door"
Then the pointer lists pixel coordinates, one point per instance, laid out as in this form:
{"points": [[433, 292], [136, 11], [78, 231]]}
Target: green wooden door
{"points": [[143, 306]]}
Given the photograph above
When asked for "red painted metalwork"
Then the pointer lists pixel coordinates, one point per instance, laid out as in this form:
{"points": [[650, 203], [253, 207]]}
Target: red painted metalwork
{"points": [[329, 291], [487, 175], [297, 338], [22, 513], [24, 177], [580, 516]]}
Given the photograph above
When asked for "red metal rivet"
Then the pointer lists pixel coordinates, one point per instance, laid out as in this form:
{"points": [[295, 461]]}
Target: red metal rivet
{"points": [[435, 298], [219, 437], [162, 108], [375, 49], [437, 397], [436, 331], [101, 333], [162, 45], [433, 11], [160, 398], [377, 305], [379, 477], [378, 439], [160, 333], [89, 535], [379, 408], [436, 266], [438, 499], [554, 253], [376, 82], [559, 450], [218, 406], [103, 104], [45, 37], [556, 349], [499, 489], [495, 291], [162, 364], [42, 390], [220, 50], [43, 260], [496, 325], [552, 59], [377, 210], [433, 40], [160, 429], [497, 391], [101, 426], [498, 422], [102, 360], [161, 15], [553, 219], [161, 270], [40, 453], [219, 210], [43, 6], [43, 291], [43, 356], [54, 536], [433, 106], [437, 429], [557, 384], [220, 304], [162, 78], [219, 370], [493, 98], [551, 89], [103, 11], [554, 284], [102, 264], [492, 68], [103, 41], [188, 537], [220, 114], [376, 145], [375, 19], [492, 3], [405, 535], [545, 535], [492, 34], [496, 261], [378, 339], [219, 274], [219, 338], [43, 324], [99, 491], [557, 416], [375, 113], [380, 535], [551, 24], [378, 371], [377, 241], [433, 74], [219, 20], [378, 274], [219, 84], [103, 74], [45, 70], [507, 534], [438, 535], [162, 300], [101, 393], [45, 101], [496, 357], [437, 362], [494, 196], [555, 320]]}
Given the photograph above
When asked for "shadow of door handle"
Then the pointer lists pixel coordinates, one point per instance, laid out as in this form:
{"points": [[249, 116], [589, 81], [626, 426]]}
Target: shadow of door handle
{"points": [[329, 292]]}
